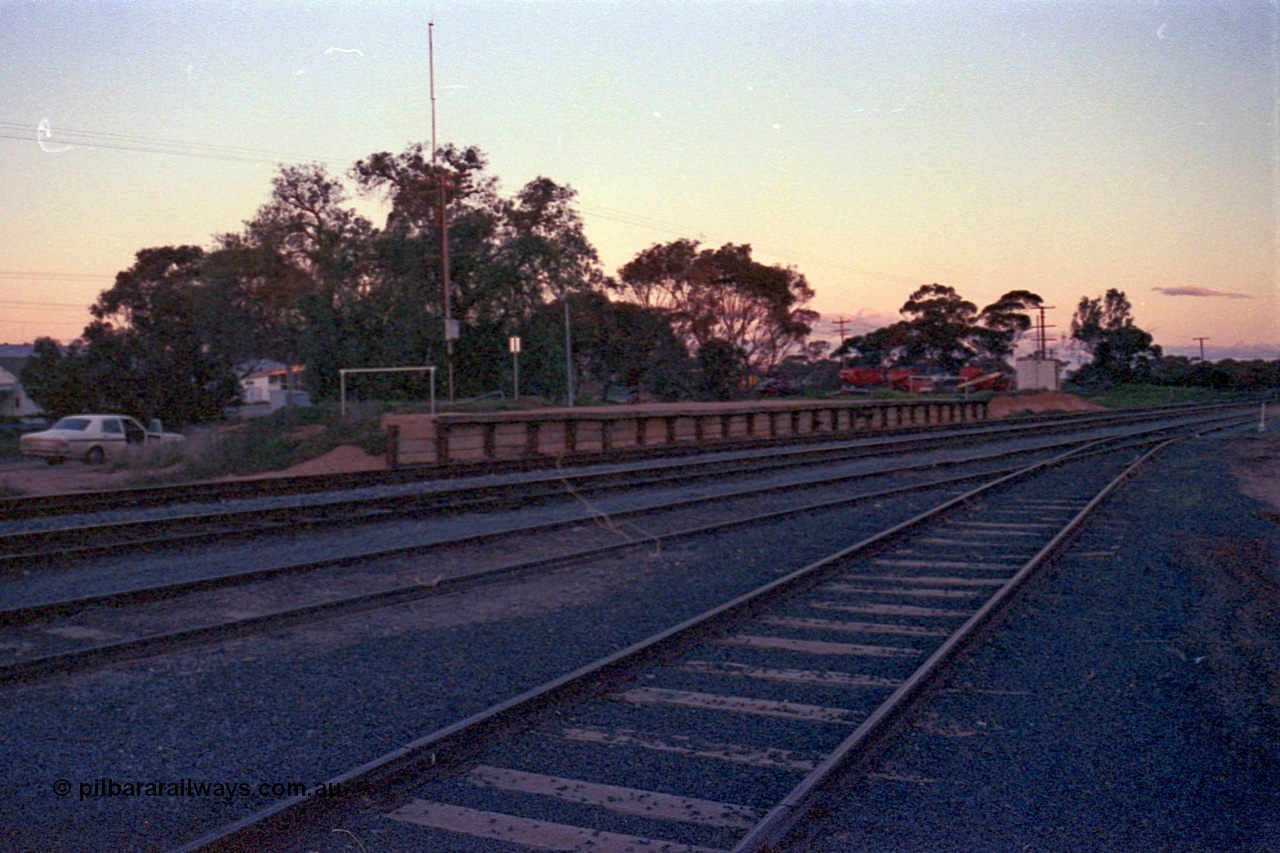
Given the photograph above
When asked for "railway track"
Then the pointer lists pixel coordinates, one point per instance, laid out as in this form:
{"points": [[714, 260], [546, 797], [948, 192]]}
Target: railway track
{"points": [[716, 734], [21, 549], [52, 625], [50, 636], [44, 506]]}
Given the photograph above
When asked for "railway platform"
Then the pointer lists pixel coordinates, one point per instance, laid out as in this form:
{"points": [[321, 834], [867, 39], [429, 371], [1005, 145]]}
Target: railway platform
{"points": [[470, 436]]}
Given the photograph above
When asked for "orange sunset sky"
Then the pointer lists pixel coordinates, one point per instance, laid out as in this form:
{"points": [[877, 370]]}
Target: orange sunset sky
{"points": [[1060, 147]]}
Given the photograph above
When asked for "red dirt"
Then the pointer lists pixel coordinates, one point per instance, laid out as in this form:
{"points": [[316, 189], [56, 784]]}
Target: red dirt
{"points": [[1052, 401], [341, 459]]}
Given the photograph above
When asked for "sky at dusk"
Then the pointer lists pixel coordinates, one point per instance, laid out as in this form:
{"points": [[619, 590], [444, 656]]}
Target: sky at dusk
{"points": [[1060, 146]]}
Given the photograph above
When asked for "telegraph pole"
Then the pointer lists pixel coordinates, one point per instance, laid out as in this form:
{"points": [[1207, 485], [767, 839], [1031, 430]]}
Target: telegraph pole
{"points": [[1201, 340], [568, 350], [450, 325], [841, 322], [1042, 340]]}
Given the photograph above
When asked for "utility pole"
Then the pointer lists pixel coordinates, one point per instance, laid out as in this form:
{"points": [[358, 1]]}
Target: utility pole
{"points": [[568, 349], [1042, 340], [450, 325], [1201, 340], [841, 322], [513, 344]]}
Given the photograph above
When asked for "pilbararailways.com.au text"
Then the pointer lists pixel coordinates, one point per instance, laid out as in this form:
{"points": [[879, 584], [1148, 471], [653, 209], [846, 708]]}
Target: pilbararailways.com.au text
{"points": [[227, 791]]}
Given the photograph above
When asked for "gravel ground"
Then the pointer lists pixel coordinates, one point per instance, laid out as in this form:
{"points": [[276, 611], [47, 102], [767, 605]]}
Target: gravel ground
{"points": [[432, 486], [1130, 701], [305, 704], [302, 705], [124, 571]]}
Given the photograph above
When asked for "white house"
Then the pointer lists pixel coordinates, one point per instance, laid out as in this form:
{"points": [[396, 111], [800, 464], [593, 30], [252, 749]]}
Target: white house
{"points": [[265, 388], [14, 402]]}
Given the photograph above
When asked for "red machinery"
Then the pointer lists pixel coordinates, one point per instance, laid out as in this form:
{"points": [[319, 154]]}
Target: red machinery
{"points": [[906, 379], [972, 378]]}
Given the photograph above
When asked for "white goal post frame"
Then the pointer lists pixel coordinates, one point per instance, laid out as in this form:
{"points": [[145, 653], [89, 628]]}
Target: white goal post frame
{"points": [[342, 380]]}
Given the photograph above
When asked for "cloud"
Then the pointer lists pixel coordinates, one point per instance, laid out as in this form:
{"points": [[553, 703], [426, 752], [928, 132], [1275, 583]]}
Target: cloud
{"points": [[1199, 291]]}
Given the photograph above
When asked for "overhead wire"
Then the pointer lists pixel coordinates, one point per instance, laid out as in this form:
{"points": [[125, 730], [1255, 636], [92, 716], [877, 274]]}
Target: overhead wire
{"points": [[42, 135], [202, 150]]}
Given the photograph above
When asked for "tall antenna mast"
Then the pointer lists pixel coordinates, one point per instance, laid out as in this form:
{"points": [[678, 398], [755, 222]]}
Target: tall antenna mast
{"points": [[431, 65], [450, 327]]}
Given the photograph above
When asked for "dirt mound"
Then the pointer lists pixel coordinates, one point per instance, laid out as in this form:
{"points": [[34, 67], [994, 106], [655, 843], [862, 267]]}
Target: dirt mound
{"points": [[342, 459], [1050, 401]]}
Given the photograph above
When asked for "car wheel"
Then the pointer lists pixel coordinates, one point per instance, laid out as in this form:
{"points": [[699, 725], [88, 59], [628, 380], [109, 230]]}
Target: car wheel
{"points": [[94, 456]]}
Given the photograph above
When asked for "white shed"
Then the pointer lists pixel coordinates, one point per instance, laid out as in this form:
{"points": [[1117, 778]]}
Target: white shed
{"points": [[1036, 372]]}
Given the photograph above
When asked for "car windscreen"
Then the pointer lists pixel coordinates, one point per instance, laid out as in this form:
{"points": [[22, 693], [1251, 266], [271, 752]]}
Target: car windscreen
{"points": [[73, 424]]}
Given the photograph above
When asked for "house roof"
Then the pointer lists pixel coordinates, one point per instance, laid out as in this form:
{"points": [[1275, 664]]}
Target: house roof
{"points": [[13, 365], [298, 370]]}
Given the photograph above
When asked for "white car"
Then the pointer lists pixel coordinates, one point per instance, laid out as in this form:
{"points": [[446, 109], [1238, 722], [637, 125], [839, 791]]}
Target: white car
{"points": [[93, 438]]}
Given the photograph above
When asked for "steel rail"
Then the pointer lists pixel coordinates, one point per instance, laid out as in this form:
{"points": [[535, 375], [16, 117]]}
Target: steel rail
{"points": [[23, 613], [132, 545], [66, 661], [233, 523], [781, 818], [404, 594], [62, 607], [218, 491], [458, 739]]}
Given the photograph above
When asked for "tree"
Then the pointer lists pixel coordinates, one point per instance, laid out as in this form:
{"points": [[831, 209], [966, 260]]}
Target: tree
{"points": [[721, 366], [1002, 324], [615, 343], [723, 295], [155, 348], [939, 325], [545, 249], [55, 378], [507, 257], [880, 348], [1121, 351], [942, 331], [297, 270], [163, 322]]}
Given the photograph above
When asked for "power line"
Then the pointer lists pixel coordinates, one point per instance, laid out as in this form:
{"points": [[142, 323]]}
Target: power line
{"points": [[228, 153], [44, 306], [685, 231], [36, 275], [152, 145]]}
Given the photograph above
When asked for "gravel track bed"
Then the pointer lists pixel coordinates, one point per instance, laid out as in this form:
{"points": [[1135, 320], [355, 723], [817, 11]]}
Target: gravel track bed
{"points": [[424, 487], [68, 579], [1129, 701], [428, 487], [642, 771], [305, 703], [109, 624]]}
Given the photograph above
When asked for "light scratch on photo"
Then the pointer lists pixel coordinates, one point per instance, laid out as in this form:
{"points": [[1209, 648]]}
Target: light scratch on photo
{"points": [[45, 131], [603, 518]]}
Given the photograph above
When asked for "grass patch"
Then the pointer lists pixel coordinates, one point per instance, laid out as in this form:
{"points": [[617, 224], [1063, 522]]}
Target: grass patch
{"points": [[269, 443], [1138, 395], [285, 438]]}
